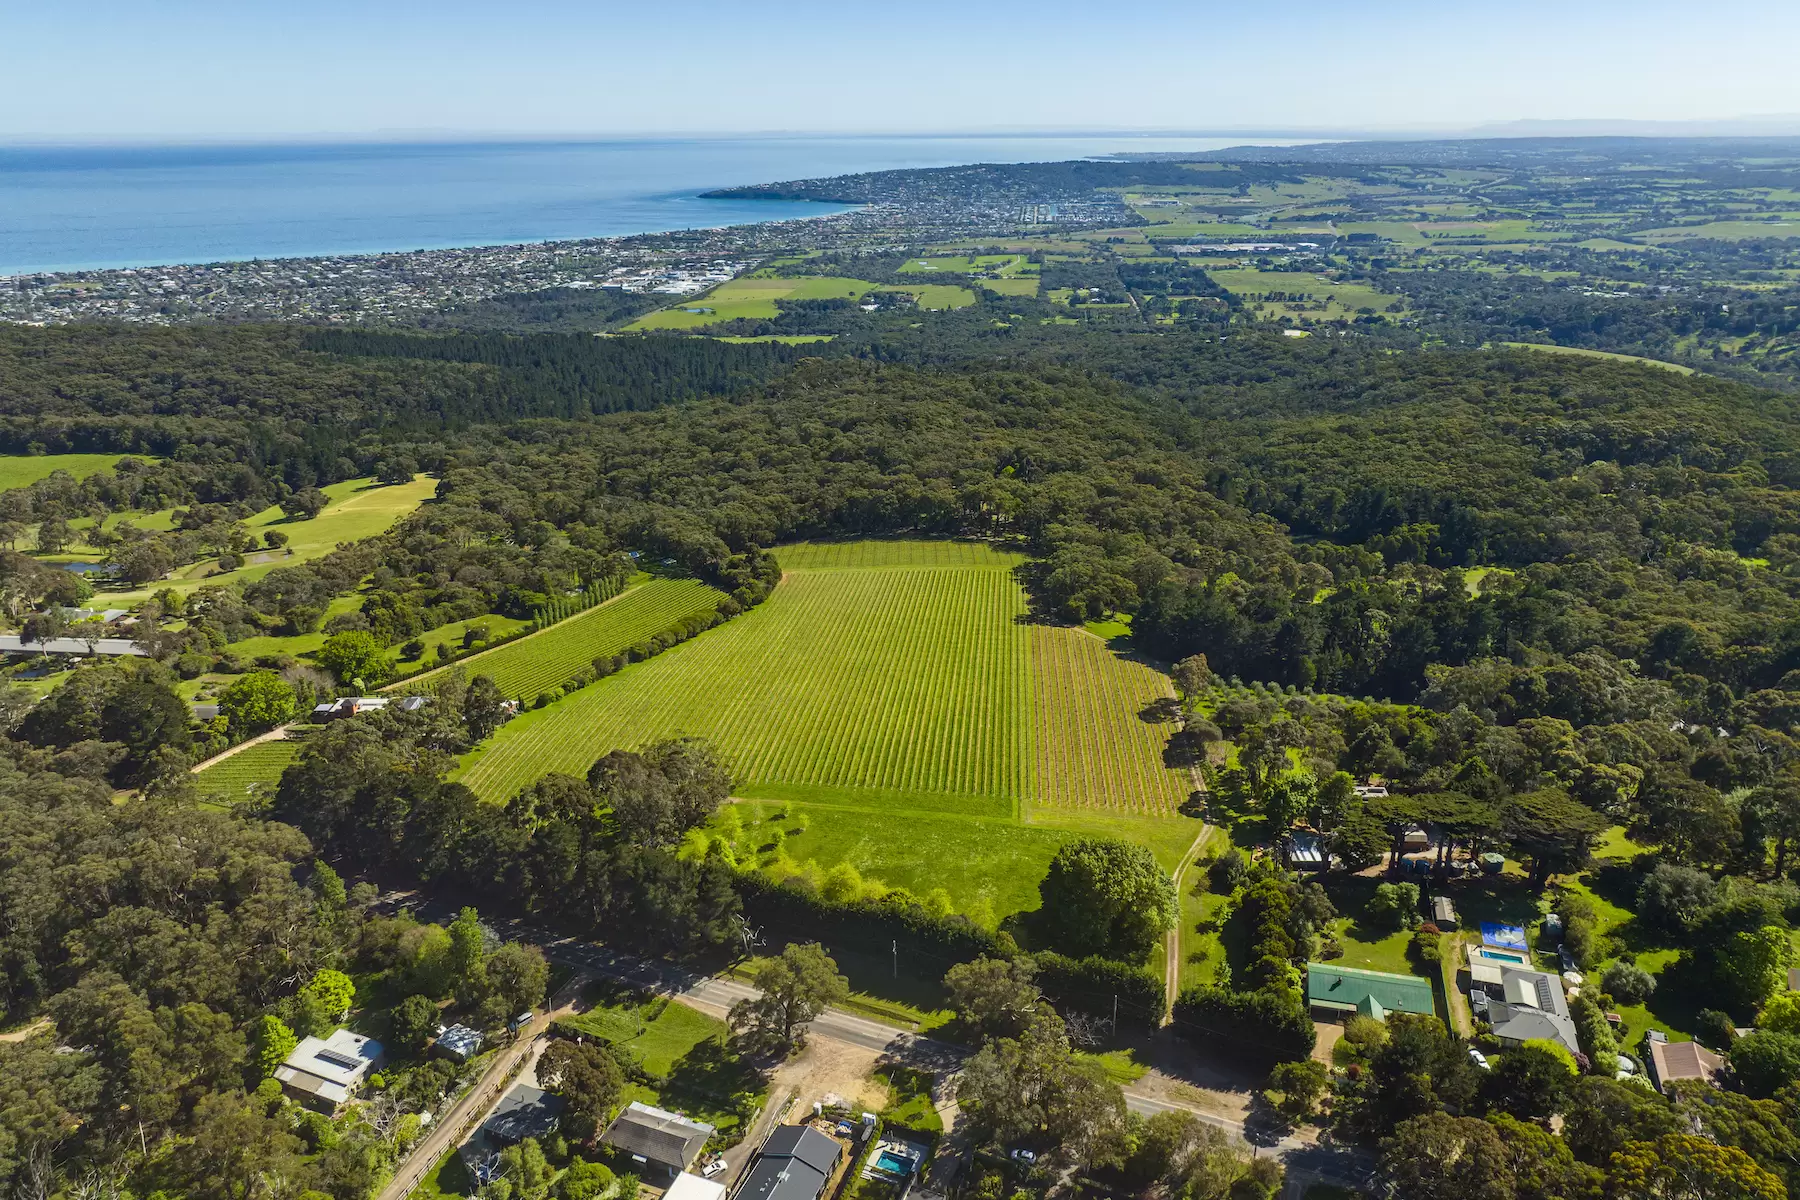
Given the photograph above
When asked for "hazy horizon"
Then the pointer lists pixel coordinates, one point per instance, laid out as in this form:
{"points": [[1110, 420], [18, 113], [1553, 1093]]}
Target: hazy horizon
{"points": [[205, 69]]}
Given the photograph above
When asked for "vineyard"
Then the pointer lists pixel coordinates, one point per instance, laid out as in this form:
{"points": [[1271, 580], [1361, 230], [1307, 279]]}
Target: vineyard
{"points": [[896, 673], [251, 772], [545, 660], [1094, 750], [888, 675]]}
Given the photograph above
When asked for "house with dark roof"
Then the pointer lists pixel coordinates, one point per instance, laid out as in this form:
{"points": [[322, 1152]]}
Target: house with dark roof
{"points": [[655, 1135], [795, 1163], [1528, 1006], [526, 1112], [1338, 992]]}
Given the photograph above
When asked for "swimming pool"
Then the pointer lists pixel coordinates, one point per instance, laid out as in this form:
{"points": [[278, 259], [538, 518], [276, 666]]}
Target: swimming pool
{"points": [[893, 1164], [1505, 956]]}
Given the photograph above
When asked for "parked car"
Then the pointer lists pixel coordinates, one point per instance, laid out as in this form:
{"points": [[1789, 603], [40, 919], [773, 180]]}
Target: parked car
{"points": [[1026, 1157], [715, 1167], [1478, 1058]]}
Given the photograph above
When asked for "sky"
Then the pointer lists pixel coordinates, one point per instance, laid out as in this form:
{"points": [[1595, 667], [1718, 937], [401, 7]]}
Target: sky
{"points": [[183, 69]]}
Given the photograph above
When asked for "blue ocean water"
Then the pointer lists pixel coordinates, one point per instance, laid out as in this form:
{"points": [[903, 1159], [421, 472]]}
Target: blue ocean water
{"points": [[84, 207]]}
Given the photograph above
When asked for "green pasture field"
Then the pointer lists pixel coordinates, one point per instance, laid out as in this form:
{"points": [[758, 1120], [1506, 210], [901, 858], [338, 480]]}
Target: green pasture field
{"points": [[893, 679], [750, 298], [357, 509], [1331, 299], [23, 470], [545, 659], [657, 1033], [1577, 350], [1001, 264], [1026, 285], [1170, 231], [1729, 231], [937, 296], [786, 339], [251, 772]]}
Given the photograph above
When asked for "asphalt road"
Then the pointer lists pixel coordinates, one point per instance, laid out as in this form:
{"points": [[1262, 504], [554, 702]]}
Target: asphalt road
{"points": [[1345, 1167]]}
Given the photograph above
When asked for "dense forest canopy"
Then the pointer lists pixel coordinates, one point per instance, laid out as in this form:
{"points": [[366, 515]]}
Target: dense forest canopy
{"points": [[1539, 596]]}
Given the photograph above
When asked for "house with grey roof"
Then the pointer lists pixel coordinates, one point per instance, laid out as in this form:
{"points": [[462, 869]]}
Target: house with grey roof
{"points": [[1528, 1006], [654, 1135], [526, 1112], [795, 1163], [322, 1073]]}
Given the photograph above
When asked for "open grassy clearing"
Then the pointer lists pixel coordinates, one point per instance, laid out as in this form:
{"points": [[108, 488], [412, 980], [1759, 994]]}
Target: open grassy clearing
{"points": [[750, 299], [357, 509], [1649, 362], [937, 296], [656, 1032], [997, 264], [1025, 285], [1728, 231], [786, 339], [545, 659], [23, 470], [252, 772], [1300, 294]]}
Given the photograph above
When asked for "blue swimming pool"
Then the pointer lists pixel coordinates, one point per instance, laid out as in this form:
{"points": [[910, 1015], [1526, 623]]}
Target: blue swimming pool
{"points": [[893, 1164], [1503, 956]]}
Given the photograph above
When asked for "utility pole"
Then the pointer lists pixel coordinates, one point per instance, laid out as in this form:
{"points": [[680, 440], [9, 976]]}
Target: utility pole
{"points": [[1115, 1024], [895, 947]]}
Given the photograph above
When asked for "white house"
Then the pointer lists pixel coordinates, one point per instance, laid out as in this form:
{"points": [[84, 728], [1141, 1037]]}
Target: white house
{"points": [[322, 1073]]}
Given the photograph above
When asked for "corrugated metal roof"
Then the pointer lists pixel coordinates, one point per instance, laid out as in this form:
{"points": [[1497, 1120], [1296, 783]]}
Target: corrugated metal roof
{"points": [[1345, 988]]}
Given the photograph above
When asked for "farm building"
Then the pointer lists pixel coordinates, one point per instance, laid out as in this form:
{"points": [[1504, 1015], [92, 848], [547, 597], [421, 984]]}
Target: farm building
{"points": [[458, 1042], [1338, 992], [322, 1073], [1443, 913], [654, 1135], [795, 1163], [1304, 849], [1528, 1005], [526, 1112]]}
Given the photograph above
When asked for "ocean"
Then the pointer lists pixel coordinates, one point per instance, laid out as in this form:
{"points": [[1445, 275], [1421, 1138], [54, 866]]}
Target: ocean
{"points": [[67, 208]]}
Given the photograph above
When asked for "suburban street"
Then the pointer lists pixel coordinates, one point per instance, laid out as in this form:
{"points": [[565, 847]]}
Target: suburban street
{"points": [[1155, 1092]]}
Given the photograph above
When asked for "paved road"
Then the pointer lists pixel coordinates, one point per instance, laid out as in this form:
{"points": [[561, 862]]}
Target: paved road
{"points": [[1343, 1167], [716, 996], [469, 1112]]}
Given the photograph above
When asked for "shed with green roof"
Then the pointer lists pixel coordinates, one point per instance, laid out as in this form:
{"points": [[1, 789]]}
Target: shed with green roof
{"points": [[1340, 991]]}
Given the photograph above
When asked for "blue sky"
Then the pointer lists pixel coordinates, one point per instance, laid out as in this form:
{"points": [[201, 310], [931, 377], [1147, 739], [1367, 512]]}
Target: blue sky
{"points": [[197, 68]]}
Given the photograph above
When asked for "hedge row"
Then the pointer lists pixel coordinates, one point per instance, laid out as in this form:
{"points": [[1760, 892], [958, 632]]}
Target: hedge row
{"points": [[865, 924], [1091, 985], [1266, 1024]]}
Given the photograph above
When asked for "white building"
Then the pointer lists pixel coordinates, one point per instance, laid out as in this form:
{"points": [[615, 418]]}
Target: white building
{"points": [[323, 1073]]}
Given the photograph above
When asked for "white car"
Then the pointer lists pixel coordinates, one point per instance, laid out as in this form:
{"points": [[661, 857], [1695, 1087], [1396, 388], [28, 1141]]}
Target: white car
{"points": [[1028, 1157], [712, 1168], [1478, 1058]]}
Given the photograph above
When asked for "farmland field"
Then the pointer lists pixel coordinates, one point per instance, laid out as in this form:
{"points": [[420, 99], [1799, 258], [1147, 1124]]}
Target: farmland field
{"points": [[750, 298], [936, 296], [543, 660], [23, 470], [878, 671], [1330, 299], [886, 679], [253, 771]]}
